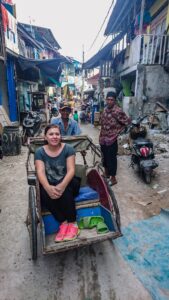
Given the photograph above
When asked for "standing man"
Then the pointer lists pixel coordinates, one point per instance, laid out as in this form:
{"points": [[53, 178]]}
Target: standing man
{"points": [[67, 125], [113, 120]]}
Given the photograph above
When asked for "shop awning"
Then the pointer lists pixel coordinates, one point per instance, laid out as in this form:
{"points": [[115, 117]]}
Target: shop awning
{"points": [[52, 64], [50, 68], [104, 54]]}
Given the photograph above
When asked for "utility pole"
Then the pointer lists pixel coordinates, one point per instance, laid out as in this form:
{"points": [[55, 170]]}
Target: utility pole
{"points": [[83, 72], [141, 16], [31, 26]]}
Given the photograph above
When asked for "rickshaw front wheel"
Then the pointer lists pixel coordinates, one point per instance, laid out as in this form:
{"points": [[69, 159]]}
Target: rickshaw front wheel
{"points": [[32, 221], [116, 211]]}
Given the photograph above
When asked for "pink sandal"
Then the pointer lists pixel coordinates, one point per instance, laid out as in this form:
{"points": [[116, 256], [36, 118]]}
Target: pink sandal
{"points": [[72, 232], [61, 233]]}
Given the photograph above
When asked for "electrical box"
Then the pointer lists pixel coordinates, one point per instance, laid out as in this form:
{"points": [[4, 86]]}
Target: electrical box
{"points": [[39, 103]]}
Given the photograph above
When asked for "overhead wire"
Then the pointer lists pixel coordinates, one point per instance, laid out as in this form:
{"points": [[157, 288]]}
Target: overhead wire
{"points": [[113, 2], [103, 43], [101, 26], [106, 36]]}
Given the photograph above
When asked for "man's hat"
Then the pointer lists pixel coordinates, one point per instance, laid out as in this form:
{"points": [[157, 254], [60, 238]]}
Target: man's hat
{"points": [[65, 105], [111, 95]]}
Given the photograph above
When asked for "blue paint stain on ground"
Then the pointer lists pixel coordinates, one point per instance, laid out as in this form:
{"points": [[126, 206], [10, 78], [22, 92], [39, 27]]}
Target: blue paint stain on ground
{"points": [[145, 246]]}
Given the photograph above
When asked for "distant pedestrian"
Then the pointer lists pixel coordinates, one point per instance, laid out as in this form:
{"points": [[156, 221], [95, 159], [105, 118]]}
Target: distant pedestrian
{"points": [[75, 116], [113, 120], [95, 108]]}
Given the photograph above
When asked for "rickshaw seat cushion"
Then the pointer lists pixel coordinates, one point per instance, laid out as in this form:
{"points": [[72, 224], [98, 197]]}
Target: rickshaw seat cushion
{"points": [[86, 193]]}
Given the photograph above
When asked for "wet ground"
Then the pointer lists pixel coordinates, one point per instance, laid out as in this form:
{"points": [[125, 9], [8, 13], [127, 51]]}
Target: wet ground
{"points": [[97, 272]]}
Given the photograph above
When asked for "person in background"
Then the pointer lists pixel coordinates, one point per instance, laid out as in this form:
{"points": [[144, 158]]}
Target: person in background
{"points": [[75, 116], [67, 125], [95, 108], [59, 100], [113, 121], [49, 105], [55, 167]]}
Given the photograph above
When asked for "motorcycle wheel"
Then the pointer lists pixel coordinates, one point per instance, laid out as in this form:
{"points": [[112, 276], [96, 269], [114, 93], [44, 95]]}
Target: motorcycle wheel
{"points": [[24, 138], [39, 131], [147, 178], [43, 117]]}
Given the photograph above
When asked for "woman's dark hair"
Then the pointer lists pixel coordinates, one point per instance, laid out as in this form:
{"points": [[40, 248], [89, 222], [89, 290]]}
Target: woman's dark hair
{"points": [[51, 126]]}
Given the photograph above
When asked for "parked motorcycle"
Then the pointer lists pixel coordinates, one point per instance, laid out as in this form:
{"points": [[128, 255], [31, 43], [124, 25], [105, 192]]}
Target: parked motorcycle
{"points": [[142, 152], [32, 126]]}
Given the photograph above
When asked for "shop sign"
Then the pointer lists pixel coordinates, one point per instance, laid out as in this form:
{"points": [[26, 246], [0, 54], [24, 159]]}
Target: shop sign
{"points": [[10, 30]]}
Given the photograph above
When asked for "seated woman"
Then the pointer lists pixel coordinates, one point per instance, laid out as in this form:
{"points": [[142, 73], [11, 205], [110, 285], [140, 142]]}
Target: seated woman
{"points": [[55, 166]]}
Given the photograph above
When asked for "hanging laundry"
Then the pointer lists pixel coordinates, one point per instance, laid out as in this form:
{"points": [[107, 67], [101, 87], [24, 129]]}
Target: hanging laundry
{"points": [[5, 18], [146, 22], [7, 1]]}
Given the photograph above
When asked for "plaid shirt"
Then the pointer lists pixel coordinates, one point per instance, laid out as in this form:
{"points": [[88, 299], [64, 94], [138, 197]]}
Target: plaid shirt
{"points": [[113, 120]]}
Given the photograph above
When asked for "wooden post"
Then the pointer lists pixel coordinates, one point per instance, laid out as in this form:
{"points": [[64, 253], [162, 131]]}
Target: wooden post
{"points": [[83, 73]]}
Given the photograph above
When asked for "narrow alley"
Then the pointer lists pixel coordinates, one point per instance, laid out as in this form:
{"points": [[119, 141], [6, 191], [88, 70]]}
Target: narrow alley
{"points": [[84, 89], [97, 272]]}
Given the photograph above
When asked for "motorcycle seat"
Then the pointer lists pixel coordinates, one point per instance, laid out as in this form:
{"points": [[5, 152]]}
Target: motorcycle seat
{"points": [[142, 142]]}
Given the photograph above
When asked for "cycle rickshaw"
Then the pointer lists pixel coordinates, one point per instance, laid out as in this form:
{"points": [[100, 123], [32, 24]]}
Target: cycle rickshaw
{"points": [[101, 202]]}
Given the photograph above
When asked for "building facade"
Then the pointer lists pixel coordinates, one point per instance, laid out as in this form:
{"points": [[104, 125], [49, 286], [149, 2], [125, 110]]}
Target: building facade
{"points": [[9, 51], [140, 56]]}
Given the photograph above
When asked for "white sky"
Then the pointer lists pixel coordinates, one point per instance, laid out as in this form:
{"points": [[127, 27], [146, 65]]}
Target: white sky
{"points": [[73, 22]]}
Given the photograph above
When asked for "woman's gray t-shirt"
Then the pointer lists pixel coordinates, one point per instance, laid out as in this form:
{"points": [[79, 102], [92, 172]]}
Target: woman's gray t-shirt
{"points": [[55, 167]]}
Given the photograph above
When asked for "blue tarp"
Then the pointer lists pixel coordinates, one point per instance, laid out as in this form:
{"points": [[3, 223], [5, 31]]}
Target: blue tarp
{"points": [[145, 246], [104, 54]]}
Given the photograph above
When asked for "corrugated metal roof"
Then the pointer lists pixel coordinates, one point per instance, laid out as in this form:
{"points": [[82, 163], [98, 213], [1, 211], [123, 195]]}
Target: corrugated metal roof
{"points": [[104, 54], [94, 61], [120, 12], [25, 35], [43, 32], [94, 79]]}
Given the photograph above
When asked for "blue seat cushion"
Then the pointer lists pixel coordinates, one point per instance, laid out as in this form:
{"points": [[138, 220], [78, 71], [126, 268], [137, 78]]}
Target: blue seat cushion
{"points": [[86, 193]]}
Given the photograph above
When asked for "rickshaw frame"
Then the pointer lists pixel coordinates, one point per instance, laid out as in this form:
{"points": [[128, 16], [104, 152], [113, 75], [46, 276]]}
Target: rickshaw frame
{"points": [[107, 200]]}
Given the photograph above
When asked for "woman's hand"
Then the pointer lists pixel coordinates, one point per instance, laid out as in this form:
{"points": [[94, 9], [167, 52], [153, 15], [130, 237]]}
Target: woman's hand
{"points": [[60, 188], [53, 192]]}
